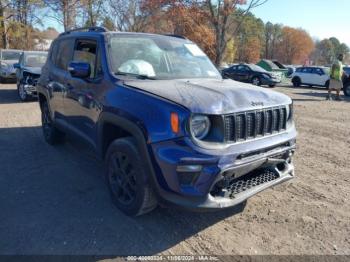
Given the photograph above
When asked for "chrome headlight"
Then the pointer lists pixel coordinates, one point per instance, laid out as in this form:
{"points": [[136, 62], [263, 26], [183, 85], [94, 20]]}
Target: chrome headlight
{"points": [[199, 126]]}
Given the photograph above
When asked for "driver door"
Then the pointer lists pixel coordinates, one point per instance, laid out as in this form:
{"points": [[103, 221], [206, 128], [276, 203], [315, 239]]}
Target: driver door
{"points": [[81, 106]]}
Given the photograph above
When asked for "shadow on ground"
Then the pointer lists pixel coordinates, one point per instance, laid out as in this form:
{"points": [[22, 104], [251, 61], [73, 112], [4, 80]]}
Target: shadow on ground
{"points": [[54, 201], [320, 96], [8, 96]]}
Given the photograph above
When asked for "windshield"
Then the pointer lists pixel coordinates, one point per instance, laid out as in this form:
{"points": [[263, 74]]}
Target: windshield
{"points": [[159, 57], [10, 55], [35, 59]]}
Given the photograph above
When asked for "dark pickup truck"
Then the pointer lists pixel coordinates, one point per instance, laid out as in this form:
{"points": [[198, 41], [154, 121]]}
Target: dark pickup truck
{"points": [[170, 129]]}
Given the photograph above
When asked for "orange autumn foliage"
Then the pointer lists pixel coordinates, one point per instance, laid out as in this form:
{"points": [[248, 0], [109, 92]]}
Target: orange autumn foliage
{"points": [[295, 46]]}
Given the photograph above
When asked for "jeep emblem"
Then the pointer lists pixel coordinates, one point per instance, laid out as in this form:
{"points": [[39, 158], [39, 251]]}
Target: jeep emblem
{"points": [[257, 103]]}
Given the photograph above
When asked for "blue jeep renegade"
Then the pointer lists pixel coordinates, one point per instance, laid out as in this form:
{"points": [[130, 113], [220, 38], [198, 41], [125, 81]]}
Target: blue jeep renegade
{"points": [[169, 128]]}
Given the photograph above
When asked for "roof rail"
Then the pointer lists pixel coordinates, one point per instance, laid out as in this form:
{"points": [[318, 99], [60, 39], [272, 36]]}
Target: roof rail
{"points": [[177, 36], [86, 29]]}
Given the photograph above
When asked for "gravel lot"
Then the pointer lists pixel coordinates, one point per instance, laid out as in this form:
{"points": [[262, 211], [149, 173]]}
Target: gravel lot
{"points": [[53, 200]]}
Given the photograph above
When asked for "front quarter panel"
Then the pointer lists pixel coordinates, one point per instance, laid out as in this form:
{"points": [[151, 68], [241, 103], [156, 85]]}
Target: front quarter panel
{"points": [[149, 112]]}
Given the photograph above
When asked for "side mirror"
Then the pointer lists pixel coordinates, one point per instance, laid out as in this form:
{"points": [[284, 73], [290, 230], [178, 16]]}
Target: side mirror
{"points": [[79, 69], [17, 66]]}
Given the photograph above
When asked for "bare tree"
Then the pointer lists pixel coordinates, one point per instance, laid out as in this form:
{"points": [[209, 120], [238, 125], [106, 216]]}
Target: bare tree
{"points": [[221, 18], [4, 16], [93, 9], [64, 11], [133, 15]]}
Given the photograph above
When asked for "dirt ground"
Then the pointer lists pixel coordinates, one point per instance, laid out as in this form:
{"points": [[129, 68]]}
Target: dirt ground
{"points": [[53, 200]]}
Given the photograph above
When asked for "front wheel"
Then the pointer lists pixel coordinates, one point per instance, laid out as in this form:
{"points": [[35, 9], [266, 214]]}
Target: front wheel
{"points": [[272, 86], [127, 180], [22, 92], [327, 84], [256, 81]]}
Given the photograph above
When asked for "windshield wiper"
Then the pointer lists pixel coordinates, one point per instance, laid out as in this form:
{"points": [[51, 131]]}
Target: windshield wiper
{"points": [[138, 76]]}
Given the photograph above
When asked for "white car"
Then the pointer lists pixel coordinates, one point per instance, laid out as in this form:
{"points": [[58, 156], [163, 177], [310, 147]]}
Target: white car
{"points": [[311, 76]]}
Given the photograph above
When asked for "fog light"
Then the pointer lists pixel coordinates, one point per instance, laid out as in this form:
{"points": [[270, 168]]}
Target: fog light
{"points": [[188, 174], [189, 168]]}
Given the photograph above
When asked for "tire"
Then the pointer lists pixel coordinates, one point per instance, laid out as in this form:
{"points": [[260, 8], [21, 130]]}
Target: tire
{"points": [[272, 86], [327, 84], [296, 82], [128, 183], [51, 134], [23, 96], [346, 89], [256, 81]]}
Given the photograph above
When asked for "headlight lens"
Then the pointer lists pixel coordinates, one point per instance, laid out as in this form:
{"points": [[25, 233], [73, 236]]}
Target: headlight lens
{"points": [[200, 126]]}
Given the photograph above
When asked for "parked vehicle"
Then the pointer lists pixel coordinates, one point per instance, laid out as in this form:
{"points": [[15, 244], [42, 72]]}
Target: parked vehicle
{"points": [[28, 71], [291, 70], [273, 66], [346, 81], [347, 70], [169, 128], [250, 73], [310, 76], [8, 57]]}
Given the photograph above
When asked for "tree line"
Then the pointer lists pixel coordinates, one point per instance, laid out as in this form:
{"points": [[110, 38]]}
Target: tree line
{"points": [[225, 29]]}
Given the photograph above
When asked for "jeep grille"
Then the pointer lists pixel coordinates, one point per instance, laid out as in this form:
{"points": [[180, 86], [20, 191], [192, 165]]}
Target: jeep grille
{"points": [[251, 124]]}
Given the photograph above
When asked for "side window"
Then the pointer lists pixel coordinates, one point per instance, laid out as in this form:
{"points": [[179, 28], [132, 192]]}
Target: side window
{"points": [[242, 68], [306, 70], [64, 53], [317, 71], [86, 51], [232, 69]]}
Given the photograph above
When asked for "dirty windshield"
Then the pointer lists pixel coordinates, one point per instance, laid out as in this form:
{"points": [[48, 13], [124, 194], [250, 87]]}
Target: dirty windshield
{"points": [[159, 57]]}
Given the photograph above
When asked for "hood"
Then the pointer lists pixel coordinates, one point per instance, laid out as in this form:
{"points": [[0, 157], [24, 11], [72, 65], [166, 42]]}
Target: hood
{"points": [[212, 96], [32, 70]]}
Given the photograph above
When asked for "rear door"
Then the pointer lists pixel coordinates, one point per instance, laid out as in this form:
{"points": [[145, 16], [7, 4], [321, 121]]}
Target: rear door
{"points": [[306, 75], [243, 73], [56, 75]]}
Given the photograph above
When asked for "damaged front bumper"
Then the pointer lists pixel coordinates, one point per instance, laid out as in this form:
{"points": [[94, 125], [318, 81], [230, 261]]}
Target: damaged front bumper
{"points": [[208, 182]]}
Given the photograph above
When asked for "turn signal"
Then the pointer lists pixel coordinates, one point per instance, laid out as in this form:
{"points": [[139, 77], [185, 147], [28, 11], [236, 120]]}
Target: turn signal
{"points": [[174, 119]]}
